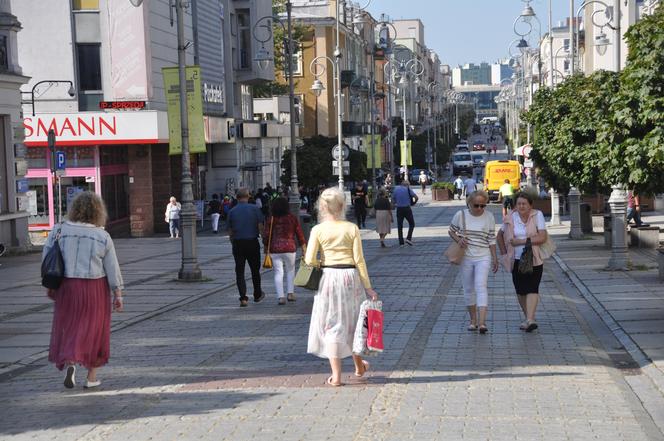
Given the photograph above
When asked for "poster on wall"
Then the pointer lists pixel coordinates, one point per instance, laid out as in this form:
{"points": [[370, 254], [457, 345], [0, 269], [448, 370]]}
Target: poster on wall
{"points": [[194, 109], [31, 197]]}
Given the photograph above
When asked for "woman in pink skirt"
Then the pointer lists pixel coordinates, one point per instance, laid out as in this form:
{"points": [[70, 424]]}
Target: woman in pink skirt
{"points": [[81, 329]]}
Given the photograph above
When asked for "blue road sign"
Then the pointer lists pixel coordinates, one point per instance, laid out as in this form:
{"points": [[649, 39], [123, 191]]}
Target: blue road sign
{"points": [[60, 161]]}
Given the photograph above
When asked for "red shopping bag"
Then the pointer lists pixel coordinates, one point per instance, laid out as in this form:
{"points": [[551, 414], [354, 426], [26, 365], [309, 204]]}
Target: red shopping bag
{"points": [[375, 330]]}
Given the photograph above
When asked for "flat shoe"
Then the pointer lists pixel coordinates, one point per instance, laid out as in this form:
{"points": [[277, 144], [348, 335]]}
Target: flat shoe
{"points": [[523, 326], [282, 301], [70, 377], [483, 329], [291, 297], [531, 327], [366, 369], [472, 328], [91, 384], [330, 383]]}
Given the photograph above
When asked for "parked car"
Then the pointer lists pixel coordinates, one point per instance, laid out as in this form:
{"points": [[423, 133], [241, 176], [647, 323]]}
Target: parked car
{"points": [[462, 163]]}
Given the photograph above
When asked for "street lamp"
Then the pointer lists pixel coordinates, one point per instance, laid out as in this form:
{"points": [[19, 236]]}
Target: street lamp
{"points": [[263, 58], [71, 92], [410, 72], [189, 271]]}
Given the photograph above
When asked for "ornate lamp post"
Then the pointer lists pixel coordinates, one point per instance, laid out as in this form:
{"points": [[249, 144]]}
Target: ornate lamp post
{"points": [[410, 71], [263, 58]]}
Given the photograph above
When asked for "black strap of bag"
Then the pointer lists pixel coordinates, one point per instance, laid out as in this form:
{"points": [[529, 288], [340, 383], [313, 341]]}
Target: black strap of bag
{"points": [[53, 265]]}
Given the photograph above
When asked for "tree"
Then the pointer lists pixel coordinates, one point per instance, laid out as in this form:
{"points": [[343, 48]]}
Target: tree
{"points": [[314, 163], [633, 141], [567, 148]]}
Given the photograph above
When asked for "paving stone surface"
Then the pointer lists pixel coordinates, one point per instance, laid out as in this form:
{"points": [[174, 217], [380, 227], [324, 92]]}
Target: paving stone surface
{"points": [[211, 370]]}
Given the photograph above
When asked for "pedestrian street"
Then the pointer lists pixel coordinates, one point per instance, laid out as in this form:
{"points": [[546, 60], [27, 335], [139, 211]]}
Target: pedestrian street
{"points": [[213, 371]]}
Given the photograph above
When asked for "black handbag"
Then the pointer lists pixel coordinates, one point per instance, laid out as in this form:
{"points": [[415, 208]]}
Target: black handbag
{"points": [[53, 266], [526, 260]]}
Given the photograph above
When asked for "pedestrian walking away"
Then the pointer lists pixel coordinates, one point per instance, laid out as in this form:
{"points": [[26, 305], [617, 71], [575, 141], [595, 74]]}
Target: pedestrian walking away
{"points": [[360, 202], [172, 217], [634, 209], [523, 229], [345, 279], [245, 224], [506, 195], [81, 330], [282, 230], [383, 209], [474, 230], [403, 197], [214, 211], [458, 185], [423, 181], [469, 185]]}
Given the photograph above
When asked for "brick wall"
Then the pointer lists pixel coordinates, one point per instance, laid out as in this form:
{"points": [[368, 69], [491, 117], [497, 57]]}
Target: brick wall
{"points": [[161, 185], [141, 212]]}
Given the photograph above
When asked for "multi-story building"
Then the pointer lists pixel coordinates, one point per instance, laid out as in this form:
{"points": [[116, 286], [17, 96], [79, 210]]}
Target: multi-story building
{"points": [[471, 74], [13, 202], [109, 51]]}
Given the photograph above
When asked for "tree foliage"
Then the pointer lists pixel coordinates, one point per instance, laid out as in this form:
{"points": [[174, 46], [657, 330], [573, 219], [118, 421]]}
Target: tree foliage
{"points": [[314, 163], [634, 142]]}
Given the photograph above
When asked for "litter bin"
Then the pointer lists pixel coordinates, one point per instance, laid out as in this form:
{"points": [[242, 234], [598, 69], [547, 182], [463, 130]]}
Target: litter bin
{"points": [[305, 221], [586, 218]]}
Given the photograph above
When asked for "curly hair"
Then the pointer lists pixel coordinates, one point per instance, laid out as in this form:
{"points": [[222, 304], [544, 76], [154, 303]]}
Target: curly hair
{"points": [[88, 208]]}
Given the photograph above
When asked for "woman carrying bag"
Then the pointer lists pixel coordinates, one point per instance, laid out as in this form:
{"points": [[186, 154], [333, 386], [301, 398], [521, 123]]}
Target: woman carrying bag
{"points": [[342, 288], [283, 229], [474, 230], [519, 239]]}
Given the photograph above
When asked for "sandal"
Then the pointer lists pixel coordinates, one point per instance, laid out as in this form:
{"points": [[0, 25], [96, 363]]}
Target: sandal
{"points": [[483, 329], [472, 328], [330, 383], [523, 325], [366, 369], [531, 326]]}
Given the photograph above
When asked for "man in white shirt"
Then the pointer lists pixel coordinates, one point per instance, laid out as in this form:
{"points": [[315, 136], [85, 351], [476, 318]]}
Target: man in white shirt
{"points": [[458, 185]]}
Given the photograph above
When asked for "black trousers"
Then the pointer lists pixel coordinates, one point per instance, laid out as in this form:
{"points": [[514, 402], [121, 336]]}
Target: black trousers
{"points": [[360, 215], [405, 213], [247, 250]]}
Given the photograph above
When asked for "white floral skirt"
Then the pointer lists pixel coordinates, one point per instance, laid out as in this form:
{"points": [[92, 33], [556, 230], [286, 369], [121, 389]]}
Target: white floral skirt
{"points": [[335, 312]]}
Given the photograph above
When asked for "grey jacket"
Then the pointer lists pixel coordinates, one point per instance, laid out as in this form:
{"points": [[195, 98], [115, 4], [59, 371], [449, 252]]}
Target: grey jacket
{"points": [[88, 252]]}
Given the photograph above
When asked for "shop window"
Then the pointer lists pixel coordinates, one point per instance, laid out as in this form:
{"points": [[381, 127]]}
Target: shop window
{"points": [[70, 188], [37, 196], [89, 76], [113, 155], [115, 193], [36, 157], [82, 5], [80, 156]]}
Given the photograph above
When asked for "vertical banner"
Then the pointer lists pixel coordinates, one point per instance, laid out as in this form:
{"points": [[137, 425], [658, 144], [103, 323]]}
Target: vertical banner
{"points": [[377, 147], [406, 153], [194, 109]]}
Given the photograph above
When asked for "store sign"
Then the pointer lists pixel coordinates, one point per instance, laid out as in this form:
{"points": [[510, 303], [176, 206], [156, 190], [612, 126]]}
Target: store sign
{"points": [[122, 105], [85, 128]]}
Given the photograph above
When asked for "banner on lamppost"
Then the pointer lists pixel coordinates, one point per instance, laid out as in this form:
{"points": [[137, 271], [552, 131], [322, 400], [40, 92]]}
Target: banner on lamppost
{"points": [[194, 109], [406, 153], [370, 148]]}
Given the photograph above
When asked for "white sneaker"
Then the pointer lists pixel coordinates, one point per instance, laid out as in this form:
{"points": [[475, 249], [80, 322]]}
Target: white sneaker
{"points": [[90, 384], [70, 377]]}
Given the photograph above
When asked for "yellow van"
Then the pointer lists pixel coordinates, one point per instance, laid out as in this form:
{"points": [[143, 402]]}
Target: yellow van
{"points": [[495, 174]]}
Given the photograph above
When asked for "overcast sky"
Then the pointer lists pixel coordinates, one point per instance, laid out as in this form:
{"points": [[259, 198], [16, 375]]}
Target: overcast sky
{"points": [[469, 31]]}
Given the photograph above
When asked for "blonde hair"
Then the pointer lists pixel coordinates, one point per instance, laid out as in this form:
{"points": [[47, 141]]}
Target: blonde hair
{"points": [[471, 197], [88, 208], [332, 202]]}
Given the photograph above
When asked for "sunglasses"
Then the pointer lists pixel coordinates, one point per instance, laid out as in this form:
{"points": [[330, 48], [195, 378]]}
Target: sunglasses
{"points": [[479, 205]]}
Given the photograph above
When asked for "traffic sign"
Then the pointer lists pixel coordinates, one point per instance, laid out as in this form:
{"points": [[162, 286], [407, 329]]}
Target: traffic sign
{"points": [[346, 168], [528, 163], [345, 152], [60, 160]]}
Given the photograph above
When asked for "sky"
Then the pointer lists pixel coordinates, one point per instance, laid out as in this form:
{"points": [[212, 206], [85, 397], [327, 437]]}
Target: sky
{"points": [[468, 31]]}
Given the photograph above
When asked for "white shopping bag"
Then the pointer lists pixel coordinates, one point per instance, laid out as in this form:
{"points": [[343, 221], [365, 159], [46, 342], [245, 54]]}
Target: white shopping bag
{"points": [[361, 329]]}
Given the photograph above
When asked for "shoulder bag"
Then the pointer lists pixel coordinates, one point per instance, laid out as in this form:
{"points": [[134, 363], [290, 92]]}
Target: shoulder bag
{"points": [[454, 252], [267, 260], [308, 276], [526, 259], [547, 248], [53, 265]]}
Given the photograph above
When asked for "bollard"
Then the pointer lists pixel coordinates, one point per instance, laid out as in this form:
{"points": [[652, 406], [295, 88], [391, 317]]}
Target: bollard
{"points": [[619, 254], [575, 231]]}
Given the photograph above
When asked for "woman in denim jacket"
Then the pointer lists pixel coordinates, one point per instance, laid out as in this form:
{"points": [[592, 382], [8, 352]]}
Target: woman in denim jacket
{"points": [[81, 331]]}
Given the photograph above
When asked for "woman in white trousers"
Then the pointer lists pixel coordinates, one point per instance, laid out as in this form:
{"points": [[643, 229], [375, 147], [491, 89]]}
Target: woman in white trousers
{"points": [[474, 229]]}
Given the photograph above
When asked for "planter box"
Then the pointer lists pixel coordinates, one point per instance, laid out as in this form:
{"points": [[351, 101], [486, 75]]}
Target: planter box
{"points": [[543, 205], [441, 194]]}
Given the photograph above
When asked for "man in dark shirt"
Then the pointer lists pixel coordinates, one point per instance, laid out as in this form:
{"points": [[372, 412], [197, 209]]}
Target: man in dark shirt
{"points": [[214, 211], [403, 197], [360, 204], [245, 224]]}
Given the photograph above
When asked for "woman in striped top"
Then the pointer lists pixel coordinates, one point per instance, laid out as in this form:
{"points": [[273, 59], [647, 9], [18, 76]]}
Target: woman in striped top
{"points": [[474, 229]]}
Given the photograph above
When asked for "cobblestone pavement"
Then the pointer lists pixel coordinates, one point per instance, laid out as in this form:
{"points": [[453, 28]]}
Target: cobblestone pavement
{"points": [[210, 370]]}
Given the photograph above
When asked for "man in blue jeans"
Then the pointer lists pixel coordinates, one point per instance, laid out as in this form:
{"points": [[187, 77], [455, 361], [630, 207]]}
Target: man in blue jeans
{"points": [[403, 197], [245, 224]]}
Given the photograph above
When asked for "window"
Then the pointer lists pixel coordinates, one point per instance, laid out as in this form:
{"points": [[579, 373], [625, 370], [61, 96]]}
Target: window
{"points": [[4, 179], [89, 76], [79, 5], [36, 157], [38, 202], [297, 63], [4, 60], [113, 155], [244, 39], [566, 44]]}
